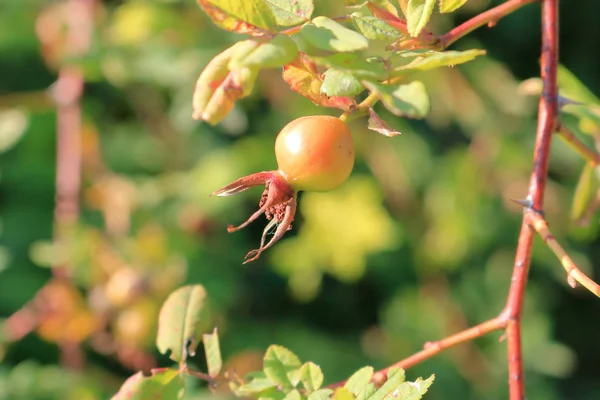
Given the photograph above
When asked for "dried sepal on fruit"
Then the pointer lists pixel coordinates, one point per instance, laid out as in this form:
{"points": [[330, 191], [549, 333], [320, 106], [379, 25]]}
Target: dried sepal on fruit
{"points": [[313, 153]]}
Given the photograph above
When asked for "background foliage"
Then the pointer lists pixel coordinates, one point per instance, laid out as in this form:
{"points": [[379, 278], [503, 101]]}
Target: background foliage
{"points": [[417, 245]]}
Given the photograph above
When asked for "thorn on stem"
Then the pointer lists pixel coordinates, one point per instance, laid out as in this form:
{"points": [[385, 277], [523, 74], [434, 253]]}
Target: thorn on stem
{"points": [[526, 203], [571, 281]]}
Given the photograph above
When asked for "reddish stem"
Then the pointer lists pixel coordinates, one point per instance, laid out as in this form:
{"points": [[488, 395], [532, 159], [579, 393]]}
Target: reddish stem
{"points": [[490, 16], [510, 318]]}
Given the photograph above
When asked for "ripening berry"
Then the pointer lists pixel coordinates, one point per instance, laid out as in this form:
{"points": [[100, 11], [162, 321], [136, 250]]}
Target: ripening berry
{"points": [[313, 153]]}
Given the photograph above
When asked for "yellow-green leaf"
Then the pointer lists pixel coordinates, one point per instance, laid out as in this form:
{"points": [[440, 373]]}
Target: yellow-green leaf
{"points": [[409, 100], [438, 59], [359, 380], [340, 83], [289, 13], [311, 376], [374, 28], [282, 366], [447, 6], [163, 383], [241, 16], [254, 53], [584, 192], [212, 349], [181, 321], [418, 13], [326, 34]]}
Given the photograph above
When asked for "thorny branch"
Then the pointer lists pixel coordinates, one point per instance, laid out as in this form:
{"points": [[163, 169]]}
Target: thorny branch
{"points": [[510, 318]]}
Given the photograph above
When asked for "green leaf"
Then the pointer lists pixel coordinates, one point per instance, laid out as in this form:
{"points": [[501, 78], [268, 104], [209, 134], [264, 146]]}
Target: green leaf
{"points": [[254, 53], [409, 100], [213, 353], [289, 13], [439, 59], [311, 376], [326, 34], [321, 394], [589, 116], [395, 376], [241, 16], [418, 13], [256, 386], [282, 366], [359, 380], [181, 321], [414, 390], [368, 391], [342, 393], [354, 65], [377, 124], [584, 192], [340, 83], [374, 28], [447, 6], [163, 383], [293, 395]]}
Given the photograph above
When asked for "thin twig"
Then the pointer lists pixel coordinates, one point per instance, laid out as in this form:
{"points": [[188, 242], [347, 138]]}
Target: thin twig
{"points": [[510, 318], [574, 274], [490, 16], [578, 146]]}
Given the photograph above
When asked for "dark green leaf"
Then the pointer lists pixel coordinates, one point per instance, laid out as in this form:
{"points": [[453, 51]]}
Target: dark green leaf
{"points": [[289, 13], [254, 53], [340, 83], [409, 100], [326, 34], [374, 28], [447, 6], [418, 13], [213, 353], [282, 366], [162, 384], [181, 322], [311, 376]]}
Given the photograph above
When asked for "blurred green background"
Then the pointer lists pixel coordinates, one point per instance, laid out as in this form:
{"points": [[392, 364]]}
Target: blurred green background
{"points": [[418, 244]]}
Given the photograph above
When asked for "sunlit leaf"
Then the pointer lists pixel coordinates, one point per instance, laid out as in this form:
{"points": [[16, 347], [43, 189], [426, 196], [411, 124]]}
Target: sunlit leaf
{"points": [[447, 6], [254, 53], [163, 383], [282, 366], [342, 393], [326, 34], [256, 386], [377, 124], [413, 390], [386, 5], [303, 77], [241, 16], [441, 59], [418, 13], [293, 395], [311, 376], [289, 13], [357, 383], [354, 65], [395, 376], [340, 83], [374, 28], [321, 394], [409, 100], [13, 124], [182, 319], [212, 348]]}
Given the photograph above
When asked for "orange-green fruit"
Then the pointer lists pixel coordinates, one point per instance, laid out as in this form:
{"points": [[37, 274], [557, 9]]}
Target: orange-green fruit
{"points": [[315, 153]]}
